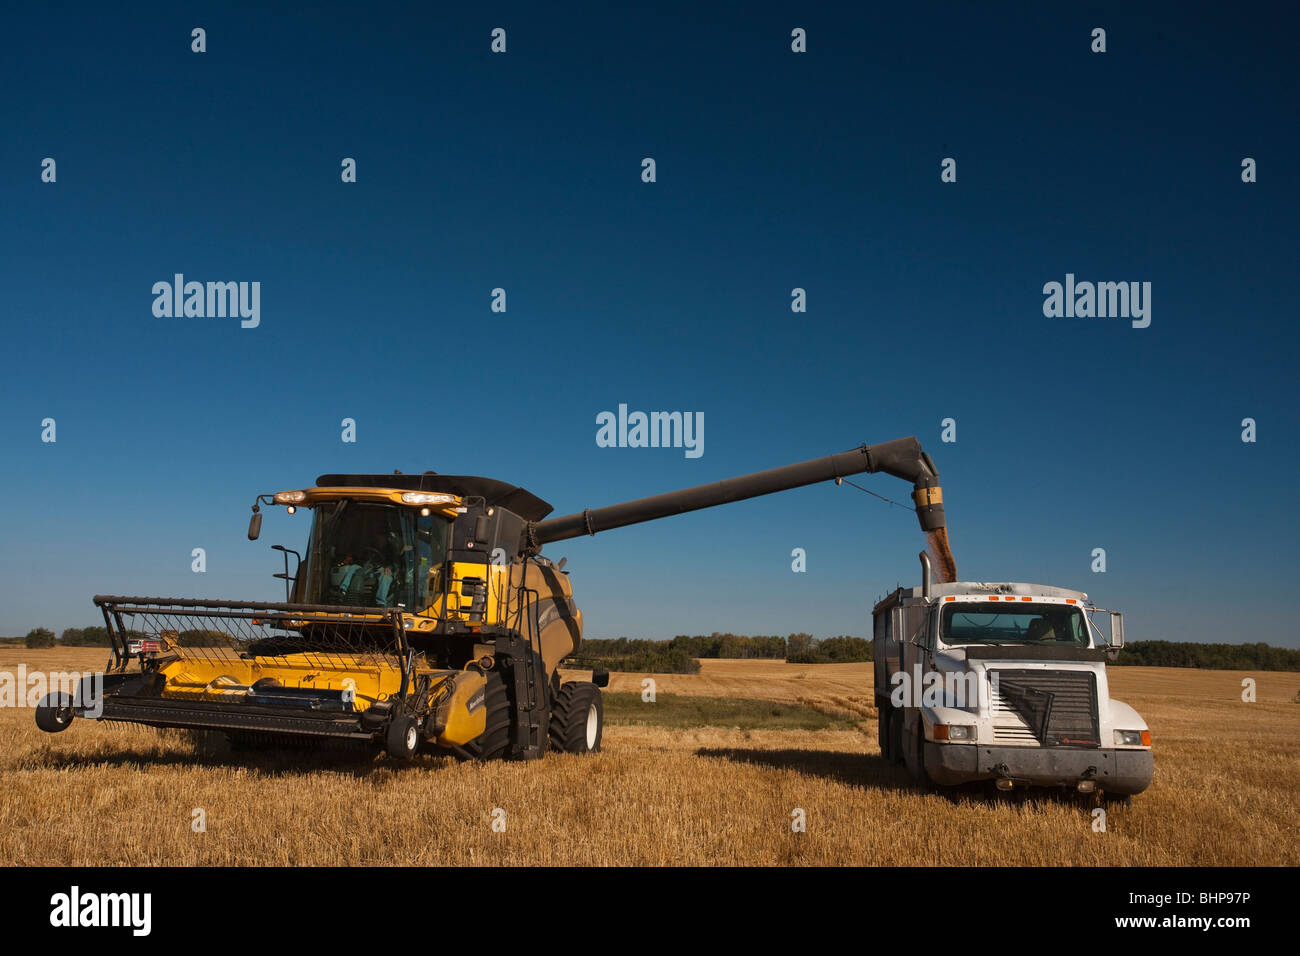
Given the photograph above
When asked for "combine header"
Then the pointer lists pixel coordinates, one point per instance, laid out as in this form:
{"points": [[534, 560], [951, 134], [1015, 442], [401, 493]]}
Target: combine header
{"points": [[423, 614]]}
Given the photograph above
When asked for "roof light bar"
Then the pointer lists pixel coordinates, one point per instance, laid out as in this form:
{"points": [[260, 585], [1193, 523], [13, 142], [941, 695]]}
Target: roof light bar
{"points": [[423, 498]]}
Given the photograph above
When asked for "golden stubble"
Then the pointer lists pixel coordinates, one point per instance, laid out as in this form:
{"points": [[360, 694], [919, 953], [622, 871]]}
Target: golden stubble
{"points": [[1227, 776]]}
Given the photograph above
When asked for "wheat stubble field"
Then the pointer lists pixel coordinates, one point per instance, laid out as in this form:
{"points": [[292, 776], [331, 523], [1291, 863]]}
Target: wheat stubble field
{"points": [[1225, 793]]}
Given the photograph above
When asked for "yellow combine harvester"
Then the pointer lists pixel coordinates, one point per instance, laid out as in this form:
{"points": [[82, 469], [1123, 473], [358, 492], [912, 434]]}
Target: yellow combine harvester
{"points": [[423, 614]]}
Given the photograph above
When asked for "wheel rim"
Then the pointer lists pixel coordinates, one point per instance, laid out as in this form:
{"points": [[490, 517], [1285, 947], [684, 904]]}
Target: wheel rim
{"points": [[412, 737], [593, 725]]}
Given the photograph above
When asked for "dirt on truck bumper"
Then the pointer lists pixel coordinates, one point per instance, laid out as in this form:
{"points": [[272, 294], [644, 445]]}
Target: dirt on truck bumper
{"points": [[1115, 771]]}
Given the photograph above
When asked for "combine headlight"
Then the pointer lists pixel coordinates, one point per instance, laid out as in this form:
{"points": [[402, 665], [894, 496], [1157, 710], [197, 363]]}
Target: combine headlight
{"points": [[422, 498], [1132, 738], [290, 497]]}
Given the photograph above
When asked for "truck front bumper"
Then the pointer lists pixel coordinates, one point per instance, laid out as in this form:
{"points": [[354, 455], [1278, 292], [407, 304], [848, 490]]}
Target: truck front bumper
{"points": [[1115, 771]]}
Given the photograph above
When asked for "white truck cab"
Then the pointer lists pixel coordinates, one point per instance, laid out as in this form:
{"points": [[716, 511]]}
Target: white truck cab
{"points": [[1004, 682]]}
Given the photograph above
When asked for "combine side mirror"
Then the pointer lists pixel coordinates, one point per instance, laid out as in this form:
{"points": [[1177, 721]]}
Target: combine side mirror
{"points": [[255, 526], [1116, 630]]}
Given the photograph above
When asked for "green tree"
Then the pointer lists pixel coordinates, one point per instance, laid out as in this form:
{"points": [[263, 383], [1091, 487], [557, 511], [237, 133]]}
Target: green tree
{"points": [[799, 648], [85, 637], [40, 637]]}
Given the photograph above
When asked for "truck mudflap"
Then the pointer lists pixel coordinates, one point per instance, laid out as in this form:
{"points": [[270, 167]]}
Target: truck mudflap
{"points": [[1114, 771]]}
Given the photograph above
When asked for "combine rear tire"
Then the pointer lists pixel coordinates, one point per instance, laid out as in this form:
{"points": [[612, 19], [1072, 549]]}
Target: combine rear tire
{"points": [[577, 718], [54, 712], [403, 738]]}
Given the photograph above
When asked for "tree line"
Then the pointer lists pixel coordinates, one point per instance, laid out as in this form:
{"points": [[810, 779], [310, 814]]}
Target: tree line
{"points": [[801, 648], [98, 637], [71, 637], [1224, 657], [682, 654]]}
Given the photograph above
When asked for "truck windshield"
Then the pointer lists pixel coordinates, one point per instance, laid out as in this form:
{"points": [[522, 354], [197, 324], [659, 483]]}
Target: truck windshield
{"points": [[372, 555], [983, 623]]}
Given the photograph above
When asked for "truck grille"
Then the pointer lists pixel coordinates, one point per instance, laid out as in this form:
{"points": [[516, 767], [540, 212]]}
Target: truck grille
{"points": [[1056, 708]]}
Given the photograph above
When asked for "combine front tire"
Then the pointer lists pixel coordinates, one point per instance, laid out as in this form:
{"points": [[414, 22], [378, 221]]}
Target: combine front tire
{"points": [[54, 712], [495, 739], [577, 718], [403, 738]]}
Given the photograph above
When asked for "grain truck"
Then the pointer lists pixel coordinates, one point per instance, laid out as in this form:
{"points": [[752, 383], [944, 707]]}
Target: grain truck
{"points": [[1006, 683]]}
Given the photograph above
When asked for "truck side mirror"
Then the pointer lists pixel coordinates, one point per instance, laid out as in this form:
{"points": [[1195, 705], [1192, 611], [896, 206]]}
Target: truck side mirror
{"points": [[255, 526], [1116, 629]]}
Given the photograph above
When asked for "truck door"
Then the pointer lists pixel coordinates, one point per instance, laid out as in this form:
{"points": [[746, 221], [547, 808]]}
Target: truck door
{"points": [[883, 646], [916, 646], [915, 643]]}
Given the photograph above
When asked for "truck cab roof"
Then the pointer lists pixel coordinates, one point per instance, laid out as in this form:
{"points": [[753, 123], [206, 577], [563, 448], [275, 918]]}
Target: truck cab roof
{"points": [[981, 589]]}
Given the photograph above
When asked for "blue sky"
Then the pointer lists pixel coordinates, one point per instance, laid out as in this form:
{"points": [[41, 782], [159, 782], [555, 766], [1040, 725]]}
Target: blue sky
{"points": [[775, 170]]}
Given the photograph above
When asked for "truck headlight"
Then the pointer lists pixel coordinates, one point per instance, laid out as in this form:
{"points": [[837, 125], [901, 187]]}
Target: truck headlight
{"points": [[1132, 738], [954, 732]]}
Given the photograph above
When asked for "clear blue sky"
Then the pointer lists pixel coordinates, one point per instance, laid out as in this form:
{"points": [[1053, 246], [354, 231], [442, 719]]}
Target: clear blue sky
{"points": [[775, 171]]}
